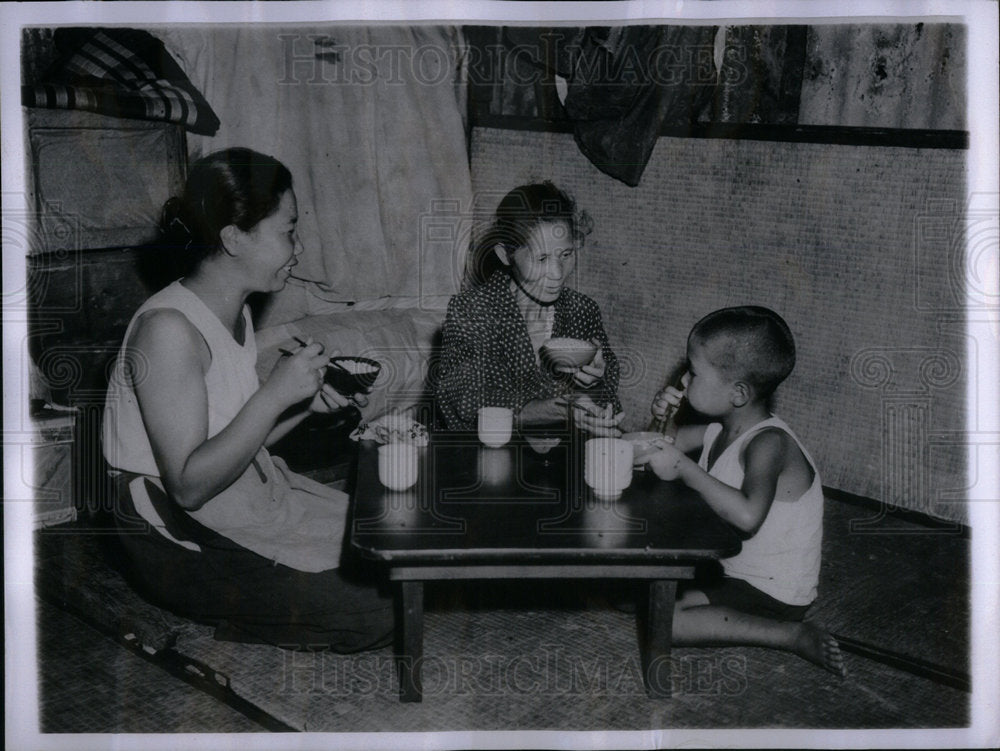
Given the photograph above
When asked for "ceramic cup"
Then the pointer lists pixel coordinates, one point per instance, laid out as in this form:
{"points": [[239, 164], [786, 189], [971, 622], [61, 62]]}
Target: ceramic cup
{"points": [[495, 426], [607, 466], [397, 465]]}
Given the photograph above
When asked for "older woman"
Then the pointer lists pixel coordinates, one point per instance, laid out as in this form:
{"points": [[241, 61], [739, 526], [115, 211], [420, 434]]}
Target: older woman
{"points": [[493, 332]]}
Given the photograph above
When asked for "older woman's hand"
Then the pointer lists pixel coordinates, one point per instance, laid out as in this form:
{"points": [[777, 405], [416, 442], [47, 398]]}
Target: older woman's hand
{"points": [[593, 419], [589, 374], [542, 412]]}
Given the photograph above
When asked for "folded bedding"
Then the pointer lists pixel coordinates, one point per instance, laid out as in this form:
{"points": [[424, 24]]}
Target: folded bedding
{"points": [[123, 73]]}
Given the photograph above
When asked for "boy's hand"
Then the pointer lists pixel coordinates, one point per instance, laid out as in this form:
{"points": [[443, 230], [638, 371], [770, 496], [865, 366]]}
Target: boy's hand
{"points": [[666, 462], [669, 398]]}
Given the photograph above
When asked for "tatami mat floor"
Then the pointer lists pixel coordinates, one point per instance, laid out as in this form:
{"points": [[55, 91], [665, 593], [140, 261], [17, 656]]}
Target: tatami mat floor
{"points": [[551, 660], [90, 684]]}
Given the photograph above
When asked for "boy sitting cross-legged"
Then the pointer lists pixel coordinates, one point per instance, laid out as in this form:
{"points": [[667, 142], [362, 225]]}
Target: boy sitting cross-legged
{"points": [[755, 474]]}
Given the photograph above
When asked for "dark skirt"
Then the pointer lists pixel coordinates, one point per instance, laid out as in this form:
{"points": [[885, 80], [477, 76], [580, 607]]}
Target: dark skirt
{"points": [[247, 597]]}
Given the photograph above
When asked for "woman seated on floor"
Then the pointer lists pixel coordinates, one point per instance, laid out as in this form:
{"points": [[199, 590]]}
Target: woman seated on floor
{"points": [[185, 411], [493, 332]]}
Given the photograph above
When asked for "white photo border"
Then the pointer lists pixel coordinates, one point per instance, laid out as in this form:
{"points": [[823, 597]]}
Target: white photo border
{"points": [[980, 16]]}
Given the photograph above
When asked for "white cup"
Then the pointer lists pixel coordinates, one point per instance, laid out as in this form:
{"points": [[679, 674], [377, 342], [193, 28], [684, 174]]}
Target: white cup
{"points": [[607, 466], [397, 465], [495, 426]]}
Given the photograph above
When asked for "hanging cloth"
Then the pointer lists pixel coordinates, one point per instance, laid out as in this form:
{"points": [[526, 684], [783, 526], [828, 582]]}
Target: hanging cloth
{"points": [[626, 83]]}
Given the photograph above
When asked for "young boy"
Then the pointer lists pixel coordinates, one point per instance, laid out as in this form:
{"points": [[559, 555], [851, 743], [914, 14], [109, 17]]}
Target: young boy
{"points": [[755, 474]]}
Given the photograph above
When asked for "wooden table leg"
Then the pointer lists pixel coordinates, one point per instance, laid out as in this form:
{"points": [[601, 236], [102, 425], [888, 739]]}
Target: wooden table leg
{"points": [[410, 685], [656, 636]]}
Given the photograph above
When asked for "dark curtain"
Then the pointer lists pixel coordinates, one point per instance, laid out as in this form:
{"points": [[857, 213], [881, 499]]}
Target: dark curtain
{"points": [[625, 84]]}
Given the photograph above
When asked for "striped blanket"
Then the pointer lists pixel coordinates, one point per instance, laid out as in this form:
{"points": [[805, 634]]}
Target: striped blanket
{"points": [[123, 73]]}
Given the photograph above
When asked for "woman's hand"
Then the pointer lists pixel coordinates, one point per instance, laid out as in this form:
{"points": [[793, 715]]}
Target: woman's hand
{"points": [[595, 420], [328, 399], [666, 400], [297, 376], [589, 374]]}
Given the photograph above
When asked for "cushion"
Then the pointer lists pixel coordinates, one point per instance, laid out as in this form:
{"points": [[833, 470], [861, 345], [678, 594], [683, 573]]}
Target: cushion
{"points": [[404, 341]]}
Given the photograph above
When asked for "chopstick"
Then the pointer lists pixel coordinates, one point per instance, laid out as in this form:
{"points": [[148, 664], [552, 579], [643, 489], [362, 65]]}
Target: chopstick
{"points": [[302, 343], [662, 424]]}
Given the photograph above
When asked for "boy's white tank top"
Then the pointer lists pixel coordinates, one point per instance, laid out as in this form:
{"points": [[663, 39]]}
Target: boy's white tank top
{"points": [[782, 559], [270, 510]]}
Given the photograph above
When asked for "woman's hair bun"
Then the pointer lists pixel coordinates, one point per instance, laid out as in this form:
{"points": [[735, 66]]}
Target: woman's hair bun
{"points": [[179, 239], [236, 186], [172, 224]]}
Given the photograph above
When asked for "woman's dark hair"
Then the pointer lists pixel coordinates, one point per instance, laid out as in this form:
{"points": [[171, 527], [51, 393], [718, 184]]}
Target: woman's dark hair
{"points": [[517, 215], [235, 186]]}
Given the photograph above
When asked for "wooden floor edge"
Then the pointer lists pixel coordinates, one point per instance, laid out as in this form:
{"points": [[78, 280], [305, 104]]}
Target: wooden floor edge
{"points": [[915, 666]]}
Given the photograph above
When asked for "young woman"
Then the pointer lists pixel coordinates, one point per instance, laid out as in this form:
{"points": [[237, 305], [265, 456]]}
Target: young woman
{"points": [[186, 413], [493, 332]]}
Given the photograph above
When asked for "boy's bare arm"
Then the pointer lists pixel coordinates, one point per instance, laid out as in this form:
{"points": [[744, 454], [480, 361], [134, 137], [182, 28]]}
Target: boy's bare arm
{"points": [[690, 437], [745, 507]]}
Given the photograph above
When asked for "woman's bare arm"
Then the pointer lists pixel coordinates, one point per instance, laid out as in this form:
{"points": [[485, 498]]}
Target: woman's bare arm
{"points": [[174, 406]]}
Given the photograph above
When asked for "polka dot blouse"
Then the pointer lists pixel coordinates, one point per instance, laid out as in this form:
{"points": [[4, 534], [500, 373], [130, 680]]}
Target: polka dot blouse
{"points": [[487, 359]]}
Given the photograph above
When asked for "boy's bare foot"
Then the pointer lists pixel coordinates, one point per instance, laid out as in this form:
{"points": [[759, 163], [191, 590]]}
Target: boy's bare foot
{"points": [[818, 646]]}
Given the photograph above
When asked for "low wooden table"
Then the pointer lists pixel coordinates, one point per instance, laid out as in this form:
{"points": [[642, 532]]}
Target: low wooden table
{"points": [[510, 513]]}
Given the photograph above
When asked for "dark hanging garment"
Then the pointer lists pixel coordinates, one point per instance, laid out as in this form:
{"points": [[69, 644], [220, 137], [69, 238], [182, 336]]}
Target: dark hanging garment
{"points": [[627, 82]]}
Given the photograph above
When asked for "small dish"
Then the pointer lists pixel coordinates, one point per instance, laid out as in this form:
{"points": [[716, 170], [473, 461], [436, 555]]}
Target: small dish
{"points": [[351, 375], [643, 444], [565, 352], [541, 444]]}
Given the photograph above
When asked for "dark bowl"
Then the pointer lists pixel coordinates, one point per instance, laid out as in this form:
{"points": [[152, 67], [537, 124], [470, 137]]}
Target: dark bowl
{"points": [[339, 375]]}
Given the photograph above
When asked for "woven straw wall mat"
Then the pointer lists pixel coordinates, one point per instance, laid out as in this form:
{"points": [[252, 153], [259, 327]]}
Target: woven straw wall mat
{"points": [[835, 238]]}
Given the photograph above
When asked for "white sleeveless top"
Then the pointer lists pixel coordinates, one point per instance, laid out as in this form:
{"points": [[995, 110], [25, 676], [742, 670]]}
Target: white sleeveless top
{"points": [[782, 559], [270, 510]]}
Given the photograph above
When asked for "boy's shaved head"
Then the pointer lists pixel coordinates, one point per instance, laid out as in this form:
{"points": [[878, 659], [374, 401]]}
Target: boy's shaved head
{"points": [[749, 343]]}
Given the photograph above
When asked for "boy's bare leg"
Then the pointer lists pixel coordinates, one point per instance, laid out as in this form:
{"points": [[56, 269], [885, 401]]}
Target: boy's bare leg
{"points": [[698, 623]]}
